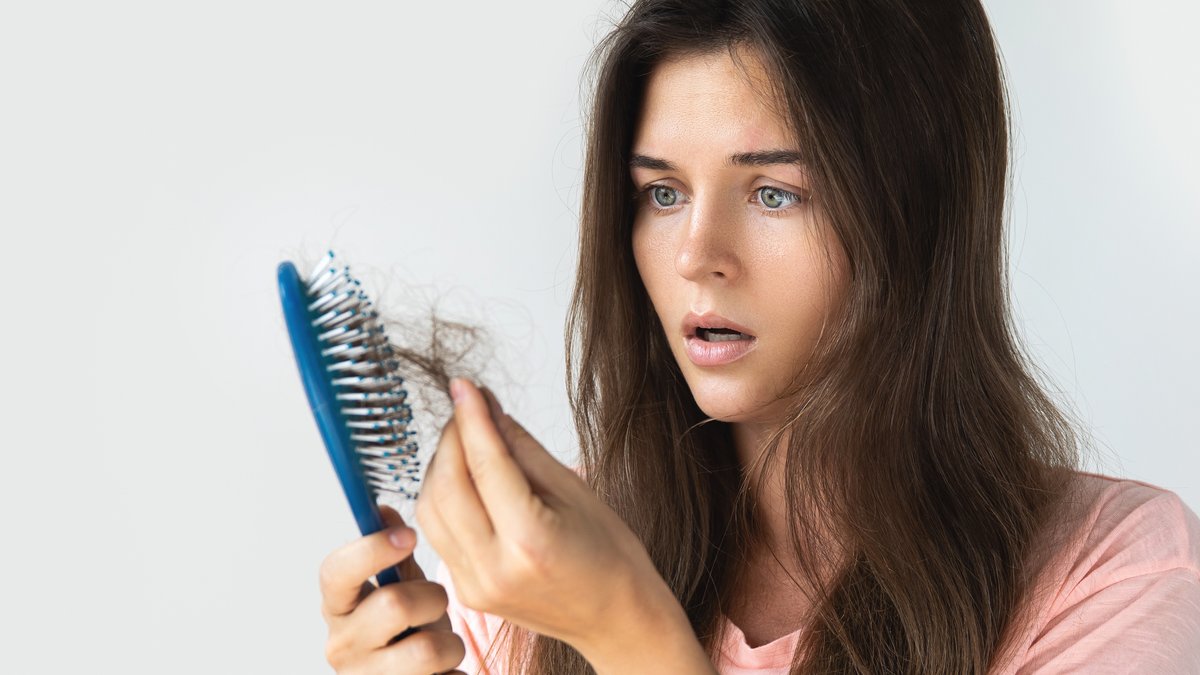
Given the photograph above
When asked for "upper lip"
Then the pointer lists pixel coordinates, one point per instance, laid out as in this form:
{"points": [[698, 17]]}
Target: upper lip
{"points": [[710, 320]]}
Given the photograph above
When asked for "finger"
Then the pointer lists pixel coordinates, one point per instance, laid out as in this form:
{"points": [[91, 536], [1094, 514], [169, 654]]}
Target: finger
{"points": [[544, 473], [345, 573], [517, 439], [436, 508], [393, 608], [459, 564], [549, 479], [420, 653], [502, 486], [454, 494], [493, 405]]}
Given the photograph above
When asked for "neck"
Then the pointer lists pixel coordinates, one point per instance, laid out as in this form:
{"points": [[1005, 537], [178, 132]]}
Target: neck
{"points": [[748, 438], [775, 543], [769, 579]]}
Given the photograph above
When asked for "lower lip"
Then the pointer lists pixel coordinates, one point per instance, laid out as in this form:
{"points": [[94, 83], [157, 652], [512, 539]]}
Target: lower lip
{"points": [[703, 353]]}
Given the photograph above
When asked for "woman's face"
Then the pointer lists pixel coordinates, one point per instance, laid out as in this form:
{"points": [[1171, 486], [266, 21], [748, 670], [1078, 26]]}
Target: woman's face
{"points": [[723, 226]]}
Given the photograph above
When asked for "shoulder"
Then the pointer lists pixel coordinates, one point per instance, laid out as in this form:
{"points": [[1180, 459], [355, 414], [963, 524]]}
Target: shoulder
{"points": [[1131, 528], [1122, 595]]}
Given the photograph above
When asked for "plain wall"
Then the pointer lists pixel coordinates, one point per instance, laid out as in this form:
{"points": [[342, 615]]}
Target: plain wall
{"points": [[166, 501]]}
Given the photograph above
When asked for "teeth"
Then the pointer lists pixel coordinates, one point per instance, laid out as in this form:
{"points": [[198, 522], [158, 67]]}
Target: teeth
{"points": [[710, 335]]}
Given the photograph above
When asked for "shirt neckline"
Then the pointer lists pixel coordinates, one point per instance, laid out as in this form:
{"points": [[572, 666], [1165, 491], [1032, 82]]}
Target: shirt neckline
{"points": [[777, 653]]}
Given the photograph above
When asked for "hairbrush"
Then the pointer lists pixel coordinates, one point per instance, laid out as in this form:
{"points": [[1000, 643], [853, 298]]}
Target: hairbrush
{"points": [[354, 388]]}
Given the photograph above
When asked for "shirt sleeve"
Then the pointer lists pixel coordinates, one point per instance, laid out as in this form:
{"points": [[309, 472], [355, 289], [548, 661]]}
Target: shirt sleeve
{"points": [[1131, 601]]}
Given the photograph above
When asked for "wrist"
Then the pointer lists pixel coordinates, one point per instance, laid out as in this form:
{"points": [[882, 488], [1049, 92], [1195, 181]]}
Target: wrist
{"points": [[652, 632]]}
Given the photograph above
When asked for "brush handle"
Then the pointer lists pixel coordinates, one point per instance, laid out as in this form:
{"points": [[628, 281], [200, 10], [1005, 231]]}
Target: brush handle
{"points": [[327, 412]]}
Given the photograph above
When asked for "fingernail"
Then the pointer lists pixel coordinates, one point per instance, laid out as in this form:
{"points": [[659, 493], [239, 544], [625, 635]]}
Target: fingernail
{"points": [[456, 389], [402, 537]]}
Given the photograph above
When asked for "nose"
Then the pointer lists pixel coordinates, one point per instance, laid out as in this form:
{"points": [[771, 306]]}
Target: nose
{"points": [[708, 243]]}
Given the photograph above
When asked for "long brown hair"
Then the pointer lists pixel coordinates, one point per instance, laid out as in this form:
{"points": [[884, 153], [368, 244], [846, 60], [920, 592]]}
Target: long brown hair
{"points": [[920, 432]]}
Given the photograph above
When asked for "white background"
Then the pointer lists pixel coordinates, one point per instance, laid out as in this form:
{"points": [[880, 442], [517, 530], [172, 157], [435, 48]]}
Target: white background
{"points": [[165, 498]]}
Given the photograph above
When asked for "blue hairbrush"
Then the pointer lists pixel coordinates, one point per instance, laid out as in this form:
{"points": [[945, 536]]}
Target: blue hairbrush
{"points": [[354, 389]]}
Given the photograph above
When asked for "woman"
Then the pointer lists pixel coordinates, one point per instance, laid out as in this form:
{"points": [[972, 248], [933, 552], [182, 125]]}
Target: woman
{"points": [[809, 441]]}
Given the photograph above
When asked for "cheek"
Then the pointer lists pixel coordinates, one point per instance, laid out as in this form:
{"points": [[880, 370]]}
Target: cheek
{"points": [[647, 257], [805, 296], [638, 244], [655, 267], [811, 314]]}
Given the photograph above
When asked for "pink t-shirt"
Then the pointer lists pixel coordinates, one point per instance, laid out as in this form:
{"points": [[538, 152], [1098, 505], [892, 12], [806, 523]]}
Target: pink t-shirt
{"points": [[1122, 597]]}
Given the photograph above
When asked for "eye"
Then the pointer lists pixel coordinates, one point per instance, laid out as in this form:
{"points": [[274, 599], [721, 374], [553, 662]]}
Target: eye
{"points": [[776, 202], [774, 198], [659, 198], [666, 194]]}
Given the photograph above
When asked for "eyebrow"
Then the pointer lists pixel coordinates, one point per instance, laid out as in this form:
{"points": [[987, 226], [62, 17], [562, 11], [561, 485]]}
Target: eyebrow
{"points": [[757, 158]]}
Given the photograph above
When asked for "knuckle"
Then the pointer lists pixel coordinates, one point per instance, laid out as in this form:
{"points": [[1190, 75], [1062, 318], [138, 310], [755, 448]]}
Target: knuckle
{"points": [[420, 648], [441, 600], [530, 556], [429, 600], [456, 650], [335, 649], [328, 573], [394, 601], [437, 650], [481, 468]]}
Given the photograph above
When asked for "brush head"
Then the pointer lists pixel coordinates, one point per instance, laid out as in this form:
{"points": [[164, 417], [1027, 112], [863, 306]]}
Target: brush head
{"points": [[354, 386]]}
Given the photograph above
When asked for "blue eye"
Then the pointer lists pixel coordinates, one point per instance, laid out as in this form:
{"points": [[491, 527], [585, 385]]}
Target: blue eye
{"points": [[776, 202], [657, 190], [777, 197]]}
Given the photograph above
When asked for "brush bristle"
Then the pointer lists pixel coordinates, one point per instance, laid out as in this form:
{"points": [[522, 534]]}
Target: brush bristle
{"points": [[365, 378]]}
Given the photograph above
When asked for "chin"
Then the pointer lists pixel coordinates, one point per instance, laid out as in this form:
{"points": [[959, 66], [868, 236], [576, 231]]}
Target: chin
{"points": [[725, 403]]}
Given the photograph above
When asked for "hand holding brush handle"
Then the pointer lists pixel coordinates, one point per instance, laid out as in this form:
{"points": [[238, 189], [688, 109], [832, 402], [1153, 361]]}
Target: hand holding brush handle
{"points": [[364, 619]]}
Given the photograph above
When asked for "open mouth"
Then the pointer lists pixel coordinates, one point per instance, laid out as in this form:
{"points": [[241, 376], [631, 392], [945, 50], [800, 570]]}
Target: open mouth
{"points": [[721, 335]]}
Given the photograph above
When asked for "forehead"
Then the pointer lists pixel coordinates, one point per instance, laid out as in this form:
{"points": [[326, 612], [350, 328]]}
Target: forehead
{"points": [[709, 101]]}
